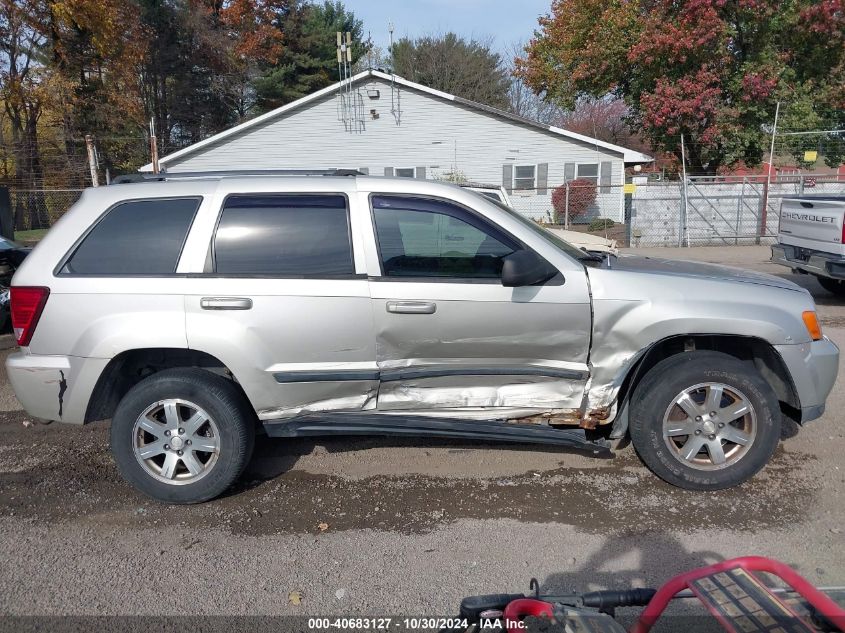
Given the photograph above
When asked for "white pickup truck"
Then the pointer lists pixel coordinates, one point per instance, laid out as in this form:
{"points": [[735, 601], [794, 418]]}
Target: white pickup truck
{"points": [[811, 239]]}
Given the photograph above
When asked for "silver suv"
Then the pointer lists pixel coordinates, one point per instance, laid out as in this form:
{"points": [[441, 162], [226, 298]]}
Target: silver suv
{"points": [[196, 310]]}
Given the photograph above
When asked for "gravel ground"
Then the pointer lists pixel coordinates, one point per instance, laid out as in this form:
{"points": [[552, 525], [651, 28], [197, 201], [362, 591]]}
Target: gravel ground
{"points": [[412, 526]]}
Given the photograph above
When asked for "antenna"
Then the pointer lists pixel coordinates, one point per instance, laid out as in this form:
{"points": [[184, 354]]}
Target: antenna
{"points": [[369, 50], [348, 66], [395, 106], [350, 104], [341, 115]]}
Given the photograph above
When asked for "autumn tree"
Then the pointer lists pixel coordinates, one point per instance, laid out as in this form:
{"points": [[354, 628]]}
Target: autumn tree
{"points": [[466, 68], [606, 119], [23, 86], [309, 60], [522, 100], [709, 69], [203, 58], [94, 49], [246, 38]]}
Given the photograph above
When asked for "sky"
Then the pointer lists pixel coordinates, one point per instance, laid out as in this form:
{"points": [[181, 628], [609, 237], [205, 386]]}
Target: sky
{"points": [[506, 21]]}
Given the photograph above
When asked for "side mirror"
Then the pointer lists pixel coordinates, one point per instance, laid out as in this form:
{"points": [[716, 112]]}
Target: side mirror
{"points": [[525, 268]]}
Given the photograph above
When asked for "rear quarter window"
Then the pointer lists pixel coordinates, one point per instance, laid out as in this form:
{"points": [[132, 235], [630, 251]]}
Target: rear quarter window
{"points": [[137, 237]]}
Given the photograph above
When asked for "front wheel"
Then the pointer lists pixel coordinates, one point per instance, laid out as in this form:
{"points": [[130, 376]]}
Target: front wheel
{"points": [[835, 286], [704, 420], [182, 435]]}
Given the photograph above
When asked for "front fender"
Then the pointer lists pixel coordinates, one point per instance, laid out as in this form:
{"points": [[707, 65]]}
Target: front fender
{"points": [[633, 311]]}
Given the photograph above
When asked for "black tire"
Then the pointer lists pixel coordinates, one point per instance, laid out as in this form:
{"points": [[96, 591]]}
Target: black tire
{"points": [[657, 391], [835, 286], [234, 433]]}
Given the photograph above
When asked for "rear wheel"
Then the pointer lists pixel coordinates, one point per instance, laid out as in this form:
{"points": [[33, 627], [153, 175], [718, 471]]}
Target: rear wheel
{"points": [[704, 420], [836, 286], [182, 435]]}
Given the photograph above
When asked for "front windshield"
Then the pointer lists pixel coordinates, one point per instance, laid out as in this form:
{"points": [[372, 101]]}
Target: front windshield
{"points": [[566, 247]]}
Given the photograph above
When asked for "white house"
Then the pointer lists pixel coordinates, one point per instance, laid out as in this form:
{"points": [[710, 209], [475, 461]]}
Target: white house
{"points": [[384, 124]]}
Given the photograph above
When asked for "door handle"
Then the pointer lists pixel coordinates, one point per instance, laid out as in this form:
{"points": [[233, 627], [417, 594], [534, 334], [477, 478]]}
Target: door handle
{"points": [[225, 303], [411, 307]]}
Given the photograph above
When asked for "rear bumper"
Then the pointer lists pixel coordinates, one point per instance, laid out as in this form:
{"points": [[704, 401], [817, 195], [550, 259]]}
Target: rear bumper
{"points": [[818, 262], [54, 387], [813, 367]]}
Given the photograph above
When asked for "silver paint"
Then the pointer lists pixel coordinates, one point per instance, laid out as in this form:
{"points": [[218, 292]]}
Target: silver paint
{"points": [[597, 322]]}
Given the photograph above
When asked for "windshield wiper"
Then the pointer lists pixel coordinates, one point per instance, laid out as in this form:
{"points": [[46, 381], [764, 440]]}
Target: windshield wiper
{"points": [[591, 257]]}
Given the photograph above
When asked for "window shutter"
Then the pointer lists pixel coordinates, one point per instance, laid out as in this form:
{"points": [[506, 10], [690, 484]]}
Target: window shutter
{"points": [[421, 173], [604, 177], [507, 177], [568, 172], [364, 170], [388, 171], [542, 179]]}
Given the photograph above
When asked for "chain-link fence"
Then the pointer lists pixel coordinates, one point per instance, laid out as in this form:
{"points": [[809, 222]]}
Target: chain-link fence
{"points": [[718, 211], [572, 203], [708, 211], [40, 208]]}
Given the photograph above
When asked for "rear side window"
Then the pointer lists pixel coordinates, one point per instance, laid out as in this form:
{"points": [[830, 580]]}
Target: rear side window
{"points": [[284, 235], [138, 237]]}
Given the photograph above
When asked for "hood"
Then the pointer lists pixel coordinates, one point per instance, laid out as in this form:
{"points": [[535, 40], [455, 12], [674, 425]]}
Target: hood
{"points": [[678, 268]]}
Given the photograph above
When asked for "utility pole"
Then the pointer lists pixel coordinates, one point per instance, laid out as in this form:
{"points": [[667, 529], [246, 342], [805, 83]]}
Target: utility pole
{"points": [[153, 147], [92, 159], [764, 211]]}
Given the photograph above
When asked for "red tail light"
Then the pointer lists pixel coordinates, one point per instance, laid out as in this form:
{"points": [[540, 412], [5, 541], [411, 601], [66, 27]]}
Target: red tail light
{"points": [[27, 303]]}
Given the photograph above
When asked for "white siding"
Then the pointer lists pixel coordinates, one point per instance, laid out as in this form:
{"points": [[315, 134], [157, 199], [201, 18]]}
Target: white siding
{"points": [[436, 133]]}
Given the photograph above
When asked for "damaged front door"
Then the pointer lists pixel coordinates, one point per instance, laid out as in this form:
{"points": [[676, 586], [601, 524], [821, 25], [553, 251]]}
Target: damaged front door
{"points": [[449, 335]]}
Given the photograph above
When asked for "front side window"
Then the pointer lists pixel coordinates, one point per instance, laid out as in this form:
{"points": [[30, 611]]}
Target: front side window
{"points": [[524, 176], [284, 235], [137, 237], [422, 237]]}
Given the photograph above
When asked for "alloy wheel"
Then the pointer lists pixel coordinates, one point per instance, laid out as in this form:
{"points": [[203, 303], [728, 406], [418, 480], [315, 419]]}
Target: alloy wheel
{"points": [[175, 441], [710, 426]]}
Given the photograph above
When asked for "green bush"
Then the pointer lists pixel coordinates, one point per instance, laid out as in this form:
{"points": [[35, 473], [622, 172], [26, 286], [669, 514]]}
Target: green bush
{"points": [[600, 224]]}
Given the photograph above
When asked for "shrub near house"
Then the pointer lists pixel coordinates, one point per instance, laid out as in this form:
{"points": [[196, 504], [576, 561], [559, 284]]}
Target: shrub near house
{"points": [[582, 194]]}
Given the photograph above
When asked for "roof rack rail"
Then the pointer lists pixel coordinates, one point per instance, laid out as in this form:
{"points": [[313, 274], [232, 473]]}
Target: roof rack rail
{"points": [[233, 173]]}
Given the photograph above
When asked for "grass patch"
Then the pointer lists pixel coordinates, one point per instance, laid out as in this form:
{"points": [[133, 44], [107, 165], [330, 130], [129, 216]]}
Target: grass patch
{"points": [[34, 235]]}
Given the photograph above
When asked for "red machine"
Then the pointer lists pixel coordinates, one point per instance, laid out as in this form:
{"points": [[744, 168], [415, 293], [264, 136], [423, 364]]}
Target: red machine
{"points": [[731, 591]]}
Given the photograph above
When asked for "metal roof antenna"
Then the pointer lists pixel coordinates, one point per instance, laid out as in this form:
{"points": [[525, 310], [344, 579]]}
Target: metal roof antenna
{"points": [[350, 102], [369, 50], [341, 111], [395, 105], [347, 65]]}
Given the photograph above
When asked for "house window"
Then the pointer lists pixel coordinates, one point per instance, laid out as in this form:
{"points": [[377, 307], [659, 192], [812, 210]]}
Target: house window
{"points": [[524, 176], [588, 171], [405, 172]]}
